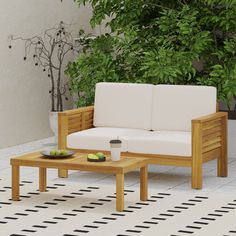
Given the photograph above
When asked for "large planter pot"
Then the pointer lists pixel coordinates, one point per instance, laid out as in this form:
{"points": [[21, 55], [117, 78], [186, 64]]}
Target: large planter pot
{"points": [[53, 120], [232, 138]]}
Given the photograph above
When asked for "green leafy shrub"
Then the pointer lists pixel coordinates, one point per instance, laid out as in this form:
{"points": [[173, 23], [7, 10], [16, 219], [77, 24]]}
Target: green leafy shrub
{"points": [[154, 41]]}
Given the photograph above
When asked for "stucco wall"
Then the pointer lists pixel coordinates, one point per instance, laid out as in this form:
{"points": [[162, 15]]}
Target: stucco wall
{"points": [[24, 98]]}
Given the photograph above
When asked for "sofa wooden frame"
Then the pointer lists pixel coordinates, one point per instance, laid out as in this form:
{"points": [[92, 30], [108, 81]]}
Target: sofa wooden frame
{"points": [[209, 141]]}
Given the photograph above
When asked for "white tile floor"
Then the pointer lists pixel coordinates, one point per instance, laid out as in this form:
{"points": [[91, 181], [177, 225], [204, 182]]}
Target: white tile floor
{"points": [[160, 177], [71, 209], [173, 182]]}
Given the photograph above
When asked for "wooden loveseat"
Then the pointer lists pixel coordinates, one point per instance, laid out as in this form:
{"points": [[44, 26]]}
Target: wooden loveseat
{"points": [[168, 124]]}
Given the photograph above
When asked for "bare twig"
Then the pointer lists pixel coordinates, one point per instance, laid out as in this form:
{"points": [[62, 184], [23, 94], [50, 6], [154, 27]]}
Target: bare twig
{"points": [[49, 52]]}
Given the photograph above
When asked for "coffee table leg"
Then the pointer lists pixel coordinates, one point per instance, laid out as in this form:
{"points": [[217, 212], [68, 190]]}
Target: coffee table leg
{"points": [[143, 183], [15, 182], [42, 179], [62, 173], [119, 192]]}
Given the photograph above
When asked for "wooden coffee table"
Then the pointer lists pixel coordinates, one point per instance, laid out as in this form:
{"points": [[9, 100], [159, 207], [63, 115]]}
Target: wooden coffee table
{"points": [[79, 162]]}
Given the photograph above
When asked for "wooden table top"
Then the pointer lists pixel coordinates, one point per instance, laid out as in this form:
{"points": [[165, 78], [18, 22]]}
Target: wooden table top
{"points": [[79, 162]]}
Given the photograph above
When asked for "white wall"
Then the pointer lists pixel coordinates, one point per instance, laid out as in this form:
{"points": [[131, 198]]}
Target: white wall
{"points": [[24, 98]]}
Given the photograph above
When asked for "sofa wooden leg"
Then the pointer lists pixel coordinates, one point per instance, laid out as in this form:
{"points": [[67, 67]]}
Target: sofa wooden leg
{"points": [[197, 155], [197, 176], [197, 171], [222, 164], [62, 173]]}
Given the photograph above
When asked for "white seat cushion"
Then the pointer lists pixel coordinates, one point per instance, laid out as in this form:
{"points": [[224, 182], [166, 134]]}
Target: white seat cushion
{"points": [[174, 106], [162, 142], [99, 138], [123, 105]]}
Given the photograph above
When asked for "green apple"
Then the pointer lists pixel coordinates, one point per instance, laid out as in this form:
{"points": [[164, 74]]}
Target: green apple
{"points": [[57, 153], [53, 152], [100, 155], [63, 152], [92, 156]]}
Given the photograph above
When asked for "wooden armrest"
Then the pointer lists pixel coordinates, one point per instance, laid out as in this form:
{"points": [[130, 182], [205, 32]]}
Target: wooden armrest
{"points": [[209, 132], [76, 111], [73, 121], [211, 117]]}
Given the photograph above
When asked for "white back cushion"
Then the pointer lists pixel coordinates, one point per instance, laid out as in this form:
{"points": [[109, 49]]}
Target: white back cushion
{"points": [[123, 105], [174, 106]]}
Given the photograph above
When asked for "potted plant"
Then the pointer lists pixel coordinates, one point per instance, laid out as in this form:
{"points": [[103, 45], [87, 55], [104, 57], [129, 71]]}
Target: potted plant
{"points": [[49, 52]]}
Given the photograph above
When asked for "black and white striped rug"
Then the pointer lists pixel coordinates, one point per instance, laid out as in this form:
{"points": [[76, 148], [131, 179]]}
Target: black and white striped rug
{"points": [[71, 209]]}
